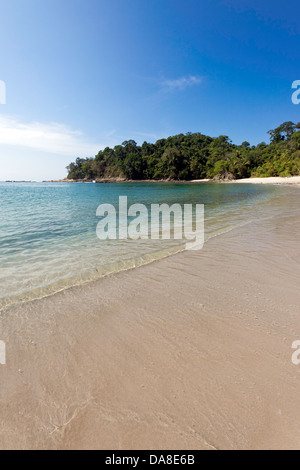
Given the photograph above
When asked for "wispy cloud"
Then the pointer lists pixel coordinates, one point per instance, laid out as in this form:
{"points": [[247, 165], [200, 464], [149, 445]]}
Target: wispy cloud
{"points": [[145, 134], [63, 107], [111, 133], [51, 138], [181, 83]]}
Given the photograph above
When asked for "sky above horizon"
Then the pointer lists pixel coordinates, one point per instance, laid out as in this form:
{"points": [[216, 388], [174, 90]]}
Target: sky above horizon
{"points": [[81, 75]]}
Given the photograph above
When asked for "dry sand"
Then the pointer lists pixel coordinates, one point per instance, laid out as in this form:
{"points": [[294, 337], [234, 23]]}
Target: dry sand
{"points": [[272, 180], [191, 352]]}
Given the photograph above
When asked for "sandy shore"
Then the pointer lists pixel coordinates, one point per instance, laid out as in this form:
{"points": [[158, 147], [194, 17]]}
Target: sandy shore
{"points": [[272, 180], [191, 352]]}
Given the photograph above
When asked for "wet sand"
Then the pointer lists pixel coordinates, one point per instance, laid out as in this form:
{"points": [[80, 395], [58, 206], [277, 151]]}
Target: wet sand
{"points": [[190, 352]]}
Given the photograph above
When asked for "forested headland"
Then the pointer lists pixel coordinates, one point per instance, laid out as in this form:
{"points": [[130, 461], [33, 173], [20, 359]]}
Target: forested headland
{"points": [[195, 156]]}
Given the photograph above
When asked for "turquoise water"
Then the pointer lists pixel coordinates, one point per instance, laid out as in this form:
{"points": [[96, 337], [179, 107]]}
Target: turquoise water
{"points": [[48, 231]]}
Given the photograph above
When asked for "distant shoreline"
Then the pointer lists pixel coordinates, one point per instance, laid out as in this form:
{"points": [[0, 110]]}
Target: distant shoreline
{"points": [[123, 180], [291, 180], [271, 180]]}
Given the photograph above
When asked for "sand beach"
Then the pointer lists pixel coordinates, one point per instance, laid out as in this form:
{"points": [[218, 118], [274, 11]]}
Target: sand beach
{"points": [[189, 352]]}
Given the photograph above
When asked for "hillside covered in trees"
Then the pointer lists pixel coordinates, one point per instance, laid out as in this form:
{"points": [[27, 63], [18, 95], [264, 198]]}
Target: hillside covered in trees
{"points": [[195, 156]]}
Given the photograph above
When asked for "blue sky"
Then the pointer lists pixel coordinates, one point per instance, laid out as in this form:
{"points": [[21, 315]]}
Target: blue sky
{"points": [[84, 74]]}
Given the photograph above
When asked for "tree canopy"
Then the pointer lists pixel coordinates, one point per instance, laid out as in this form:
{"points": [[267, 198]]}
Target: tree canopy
{"points": [[195, 156]]}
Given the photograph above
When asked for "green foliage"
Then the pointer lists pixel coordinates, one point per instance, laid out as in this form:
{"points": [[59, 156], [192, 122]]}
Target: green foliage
{"points": [[195, 156]]}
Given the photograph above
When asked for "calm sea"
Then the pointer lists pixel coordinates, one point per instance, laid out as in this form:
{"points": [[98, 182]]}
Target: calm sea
{"points": [[48, 236]]}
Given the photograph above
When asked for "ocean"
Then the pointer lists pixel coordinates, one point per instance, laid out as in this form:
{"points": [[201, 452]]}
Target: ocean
{"points": [[48, 238]]}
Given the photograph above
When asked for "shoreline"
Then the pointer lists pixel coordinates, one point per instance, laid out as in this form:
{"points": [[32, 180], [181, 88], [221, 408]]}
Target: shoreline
{"points": [[291, 180], [65, 283], [123, 180], [204, 363]]}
